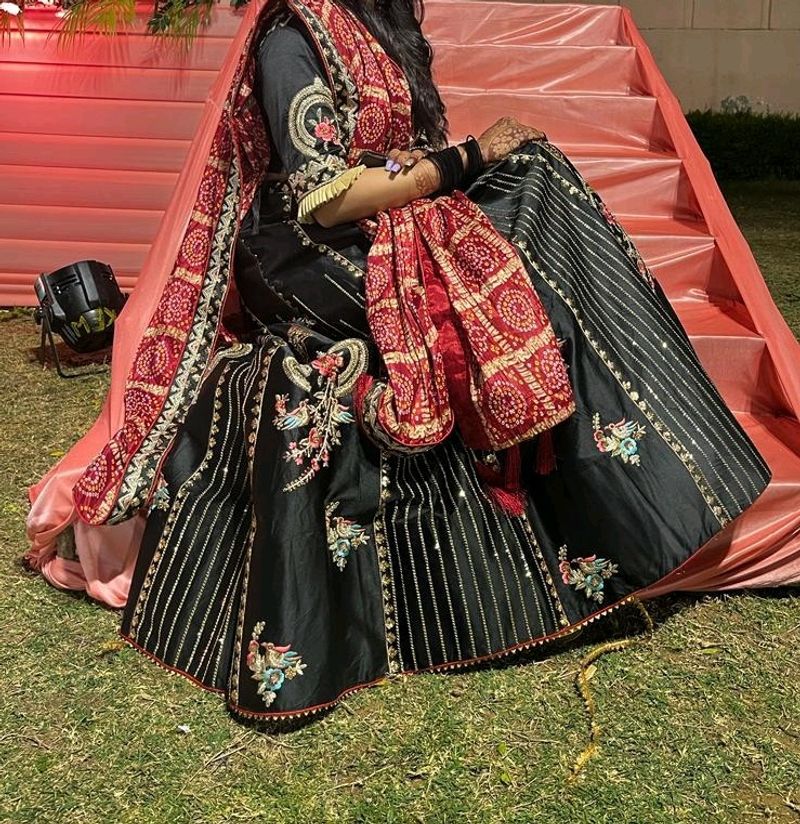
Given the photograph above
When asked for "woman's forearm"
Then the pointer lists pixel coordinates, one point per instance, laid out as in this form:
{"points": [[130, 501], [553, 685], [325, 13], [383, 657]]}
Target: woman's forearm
{"points": [[376, 190]]}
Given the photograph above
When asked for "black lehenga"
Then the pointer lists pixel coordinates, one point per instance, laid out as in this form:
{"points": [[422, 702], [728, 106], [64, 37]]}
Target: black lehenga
{"points": [[287, 560]]}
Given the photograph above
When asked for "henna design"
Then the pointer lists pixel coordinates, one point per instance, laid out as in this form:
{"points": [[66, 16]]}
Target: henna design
{"points": [[506, 135], [426, 178]]}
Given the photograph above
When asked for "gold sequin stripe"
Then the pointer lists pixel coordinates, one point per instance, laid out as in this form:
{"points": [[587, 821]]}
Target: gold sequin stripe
{"points": [[702, 390], [180, 497], [554, 602], [252, 438], [658, 364], [660, 369], [545, 570], [483, 554], [677, 447], [451, 546], [239, 387], [344, 262], [587, 193], [709, 393], [169, 583], [707, 491], [407, 497], [486, 510], [423, 484], [457, 496], [394, 664]]}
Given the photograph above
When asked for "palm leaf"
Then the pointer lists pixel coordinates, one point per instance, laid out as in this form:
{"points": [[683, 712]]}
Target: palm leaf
{"points": [[94, 17], [9, 23], [179, 21]]}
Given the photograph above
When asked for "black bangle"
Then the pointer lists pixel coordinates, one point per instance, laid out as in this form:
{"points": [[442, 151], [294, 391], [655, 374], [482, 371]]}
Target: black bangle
{"points": [[451, 169], [474, 157]]}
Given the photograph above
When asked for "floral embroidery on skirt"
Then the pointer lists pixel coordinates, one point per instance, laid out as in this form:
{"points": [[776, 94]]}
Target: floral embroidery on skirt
{"points": [[620, 438], [271, 665], [344, 535], [587, 575]]}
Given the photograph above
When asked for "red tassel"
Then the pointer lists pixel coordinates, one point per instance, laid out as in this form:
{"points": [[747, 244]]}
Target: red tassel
{"points": [[363, 384], [505, 489], [545, 453]]}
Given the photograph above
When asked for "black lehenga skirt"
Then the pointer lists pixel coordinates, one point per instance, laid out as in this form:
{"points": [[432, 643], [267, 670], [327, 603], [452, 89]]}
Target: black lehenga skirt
{"points": [[287, 560]]}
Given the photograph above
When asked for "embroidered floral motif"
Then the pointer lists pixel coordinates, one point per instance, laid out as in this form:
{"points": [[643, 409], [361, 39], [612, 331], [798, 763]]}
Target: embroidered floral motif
{"points": [[324, 129], [312, 119], [335, 376], [620, 439], [271, 665], [587, 575], [344, 535]]}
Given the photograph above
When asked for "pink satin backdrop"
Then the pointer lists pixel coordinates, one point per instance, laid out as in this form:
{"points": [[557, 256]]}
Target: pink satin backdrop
{"points": [[585, 75]]}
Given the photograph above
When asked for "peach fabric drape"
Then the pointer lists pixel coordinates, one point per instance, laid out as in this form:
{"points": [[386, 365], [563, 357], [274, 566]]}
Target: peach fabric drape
{"points": [[584, 75], [108, 552]]}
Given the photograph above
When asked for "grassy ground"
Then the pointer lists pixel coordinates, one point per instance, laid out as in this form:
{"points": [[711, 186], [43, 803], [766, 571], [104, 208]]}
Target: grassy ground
{"points": [[702, 724]]}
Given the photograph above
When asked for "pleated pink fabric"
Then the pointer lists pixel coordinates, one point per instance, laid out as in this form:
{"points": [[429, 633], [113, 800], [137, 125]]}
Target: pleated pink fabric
{"points": [[584, 75]]}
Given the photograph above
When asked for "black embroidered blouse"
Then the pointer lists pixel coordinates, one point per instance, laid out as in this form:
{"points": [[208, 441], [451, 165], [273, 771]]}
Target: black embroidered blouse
{"points": [[300, 114]]}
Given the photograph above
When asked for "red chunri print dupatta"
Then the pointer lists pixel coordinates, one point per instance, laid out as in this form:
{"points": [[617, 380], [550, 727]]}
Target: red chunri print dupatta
{"points": [[186, 327], [463, 336]]}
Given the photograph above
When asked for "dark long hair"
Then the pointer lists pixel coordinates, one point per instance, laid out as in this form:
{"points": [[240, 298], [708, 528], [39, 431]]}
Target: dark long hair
{"points": [[395, 24]]}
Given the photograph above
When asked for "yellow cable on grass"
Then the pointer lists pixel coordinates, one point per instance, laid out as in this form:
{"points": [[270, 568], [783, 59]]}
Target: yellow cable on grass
{"points": [[585, 674]]}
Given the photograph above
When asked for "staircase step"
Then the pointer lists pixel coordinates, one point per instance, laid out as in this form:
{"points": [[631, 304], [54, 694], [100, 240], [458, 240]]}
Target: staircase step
{"points": [[107, 118], [97, 82], [83, 151], [499, 23], [48, 255], [119, 50], [546, 69], [732, 353], [224, 21], [59, 223], [644, 184], [778, 440], [696, 274], [683, 257], [96, 188], [17, 285], [576, 120]]}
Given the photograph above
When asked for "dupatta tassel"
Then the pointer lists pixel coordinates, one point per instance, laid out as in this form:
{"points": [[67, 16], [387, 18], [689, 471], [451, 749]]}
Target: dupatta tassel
{"points": [[364, 383], [545, 453], [504, 487]]}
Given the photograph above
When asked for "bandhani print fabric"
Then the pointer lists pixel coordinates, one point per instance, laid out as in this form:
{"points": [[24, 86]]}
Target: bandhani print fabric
{"points": [[462, 333], [186, 326]]}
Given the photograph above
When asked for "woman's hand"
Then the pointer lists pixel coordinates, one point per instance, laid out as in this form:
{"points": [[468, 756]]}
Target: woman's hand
{"points": [[508, 134], [400, 160]]}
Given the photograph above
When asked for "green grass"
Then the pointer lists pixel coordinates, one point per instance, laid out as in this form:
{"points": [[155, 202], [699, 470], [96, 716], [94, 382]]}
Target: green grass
{"points": [[700, 725]]}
